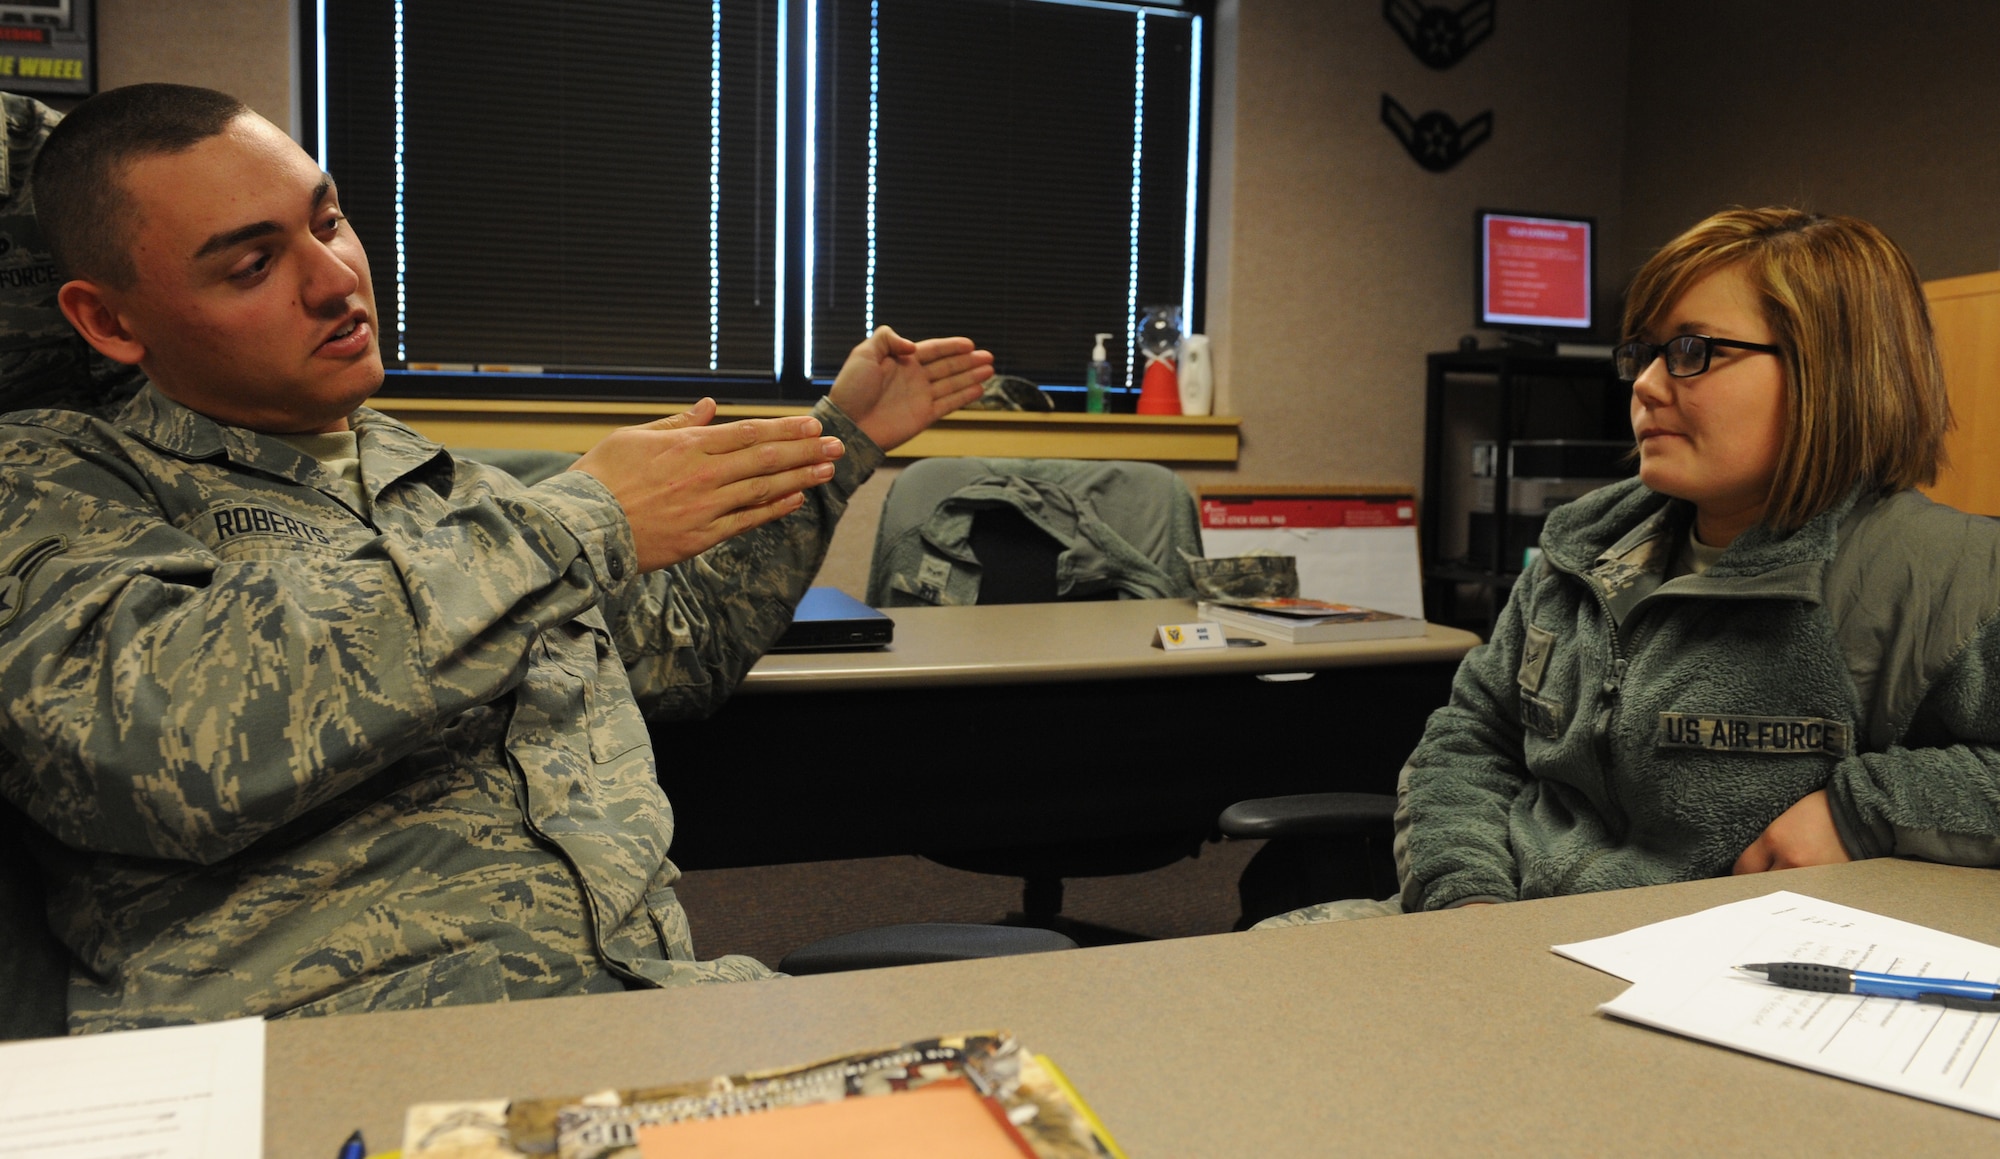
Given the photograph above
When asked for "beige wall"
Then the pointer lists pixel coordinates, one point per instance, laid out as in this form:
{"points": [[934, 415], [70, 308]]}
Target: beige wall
{"points": [[243, 47], [1890, 112]]}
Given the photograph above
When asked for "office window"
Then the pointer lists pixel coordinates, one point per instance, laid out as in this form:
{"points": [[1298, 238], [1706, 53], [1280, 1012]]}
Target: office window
{"points": [[649, 199]]}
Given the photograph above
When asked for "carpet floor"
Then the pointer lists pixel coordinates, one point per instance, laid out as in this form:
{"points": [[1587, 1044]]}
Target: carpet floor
{"points": [[768, 911]]}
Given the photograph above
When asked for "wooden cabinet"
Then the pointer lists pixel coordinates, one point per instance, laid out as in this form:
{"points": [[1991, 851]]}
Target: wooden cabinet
{"points": [[1966, 314]]}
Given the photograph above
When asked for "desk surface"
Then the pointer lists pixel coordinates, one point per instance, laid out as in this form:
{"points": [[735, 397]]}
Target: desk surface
{"points": [[1035, 643], [1306, 1041]]}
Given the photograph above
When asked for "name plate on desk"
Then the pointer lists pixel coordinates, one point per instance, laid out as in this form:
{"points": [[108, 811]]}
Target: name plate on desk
{"points": [[1182, 637]]}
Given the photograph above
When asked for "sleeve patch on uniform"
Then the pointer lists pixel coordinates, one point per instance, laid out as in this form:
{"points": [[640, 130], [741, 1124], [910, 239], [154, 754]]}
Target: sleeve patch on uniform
{"points": [[1783, 735], [1535, 652], [933, 575], [14, 579]]}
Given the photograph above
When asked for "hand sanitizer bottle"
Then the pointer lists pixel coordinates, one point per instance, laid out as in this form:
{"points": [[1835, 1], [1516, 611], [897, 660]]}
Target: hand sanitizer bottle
{"points": [[1097, 377]]}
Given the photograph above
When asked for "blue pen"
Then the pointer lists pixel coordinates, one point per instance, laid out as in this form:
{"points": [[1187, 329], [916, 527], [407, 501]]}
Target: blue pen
{"points": [[1957, 995], [354, 1148]]}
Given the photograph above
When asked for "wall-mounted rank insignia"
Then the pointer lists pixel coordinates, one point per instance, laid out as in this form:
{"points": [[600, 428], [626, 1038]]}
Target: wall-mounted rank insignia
{"points": [[1441, 37], [1781, 735], [14, 580], [1435, 140]]}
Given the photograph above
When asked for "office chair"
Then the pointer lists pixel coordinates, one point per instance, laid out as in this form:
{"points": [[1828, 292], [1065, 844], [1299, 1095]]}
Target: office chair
{"points": [[1052, 529], [1319, 847], [1000, 526]]}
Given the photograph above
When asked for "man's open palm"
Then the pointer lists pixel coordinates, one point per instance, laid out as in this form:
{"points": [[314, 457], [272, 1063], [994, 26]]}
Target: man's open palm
{"points": [[893, 388]]}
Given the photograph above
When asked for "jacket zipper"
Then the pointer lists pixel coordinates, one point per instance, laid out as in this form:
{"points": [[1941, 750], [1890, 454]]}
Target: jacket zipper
{"points": [[1613, 686]]}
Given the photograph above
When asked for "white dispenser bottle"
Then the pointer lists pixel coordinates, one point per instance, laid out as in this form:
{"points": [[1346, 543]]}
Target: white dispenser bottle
{"points": [[1197, 380]]}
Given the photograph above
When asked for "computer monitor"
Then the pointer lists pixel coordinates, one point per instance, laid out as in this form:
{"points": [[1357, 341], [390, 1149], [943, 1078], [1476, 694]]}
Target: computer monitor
{"points": [[1534, 273]]}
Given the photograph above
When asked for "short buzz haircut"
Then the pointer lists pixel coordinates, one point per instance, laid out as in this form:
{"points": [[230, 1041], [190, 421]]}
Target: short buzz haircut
{"points": [[1865, 399], [83, 207]]}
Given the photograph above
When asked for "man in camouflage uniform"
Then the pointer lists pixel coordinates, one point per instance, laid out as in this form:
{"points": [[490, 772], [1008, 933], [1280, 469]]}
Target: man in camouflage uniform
{"points": [[311, 716], [43, 362]]}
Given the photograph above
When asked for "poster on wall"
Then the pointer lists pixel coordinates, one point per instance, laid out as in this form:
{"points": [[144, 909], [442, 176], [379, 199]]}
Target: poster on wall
{"points": [[48, 47]]}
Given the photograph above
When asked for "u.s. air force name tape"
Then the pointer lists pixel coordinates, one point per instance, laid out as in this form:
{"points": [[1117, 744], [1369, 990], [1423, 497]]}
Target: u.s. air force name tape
{"points": [[1179, 637], [1806, 735]]}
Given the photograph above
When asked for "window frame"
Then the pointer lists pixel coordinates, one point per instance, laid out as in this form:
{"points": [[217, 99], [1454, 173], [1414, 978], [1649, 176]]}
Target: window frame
{"points": [[791, 384]]}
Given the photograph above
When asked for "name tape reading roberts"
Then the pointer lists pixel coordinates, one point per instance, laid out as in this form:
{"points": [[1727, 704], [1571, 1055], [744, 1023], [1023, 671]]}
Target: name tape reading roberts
{"points": [[1755, 734], [254, 520]]}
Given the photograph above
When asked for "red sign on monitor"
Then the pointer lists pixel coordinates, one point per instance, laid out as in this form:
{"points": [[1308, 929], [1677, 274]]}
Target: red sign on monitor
{"points": [[1536, 272]]}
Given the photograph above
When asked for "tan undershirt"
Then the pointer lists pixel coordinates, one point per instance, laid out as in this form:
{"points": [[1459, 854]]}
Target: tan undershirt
{"points": [[340, 453], [1694, 557]]}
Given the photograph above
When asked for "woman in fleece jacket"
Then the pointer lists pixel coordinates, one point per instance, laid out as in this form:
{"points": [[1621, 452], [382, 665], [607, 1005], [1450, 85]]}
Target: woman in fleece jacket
{"points": [[1767, 650]]}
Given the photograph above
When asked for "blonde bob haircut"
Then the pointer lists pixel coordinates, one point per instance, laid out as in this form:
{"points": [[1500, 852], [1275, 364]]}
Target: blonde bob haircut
{"points": [[1864, 390]]}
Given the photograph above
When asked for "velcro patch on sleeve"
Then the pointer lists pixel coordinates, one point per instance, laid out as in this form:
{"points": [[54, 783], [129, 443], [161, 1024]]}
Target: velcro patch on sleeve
{"points": [[933, 576], [15, 576], [1536, 648], [1781, 735], [1542, 715]]}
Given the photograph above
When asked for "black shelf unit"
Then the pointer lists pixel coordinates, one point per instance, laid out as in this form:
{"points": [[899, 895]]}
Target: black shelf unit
{"points": [[1513, 379]]}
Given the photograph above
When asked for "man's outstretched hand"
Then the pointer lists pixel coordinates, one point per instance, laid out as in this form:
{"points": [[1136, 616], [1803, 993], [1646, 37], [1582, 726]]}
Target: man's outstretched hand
{"points": [[687, 486], [893, 388]]}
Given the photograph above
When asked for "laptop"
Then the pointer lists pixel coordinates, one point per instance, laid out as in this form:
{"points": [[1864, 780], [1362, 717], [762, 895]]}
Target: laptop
{"points": [[830, 620]]}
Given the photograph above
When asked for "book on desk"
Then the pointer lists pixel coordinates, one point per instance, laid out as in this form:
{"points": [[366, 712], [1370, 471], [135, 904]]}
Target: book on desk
{"points": [[1302, 621]]}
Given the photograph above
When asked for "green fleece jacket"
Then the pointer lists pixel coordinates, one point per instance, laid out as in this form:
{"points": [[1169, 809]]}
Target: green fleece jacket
{"points": [[1623, 729]]}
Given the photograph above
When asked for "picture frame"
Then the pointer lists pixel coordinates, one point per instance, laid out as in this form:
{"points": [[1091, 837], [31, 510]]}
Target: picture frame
{"points": [[48, 47]]}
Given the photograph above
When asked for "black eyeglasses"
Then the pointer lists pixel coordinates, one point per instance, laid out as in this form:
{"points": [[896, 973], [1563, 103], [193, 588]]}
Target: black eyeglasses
{"points": [[1686, 355]]}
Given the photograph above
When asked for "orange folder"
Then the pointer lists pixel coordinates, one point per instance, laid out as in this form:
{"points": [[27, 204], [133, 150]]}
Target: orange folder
{"points": [[943, 1118]]}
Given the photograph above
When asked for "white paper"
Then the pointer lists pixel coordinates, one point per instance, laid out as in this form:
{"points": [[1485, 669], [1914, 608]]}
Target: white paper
{"points": [[182, 1092], [1369, 567], [1685, 983], [1674, 947]]}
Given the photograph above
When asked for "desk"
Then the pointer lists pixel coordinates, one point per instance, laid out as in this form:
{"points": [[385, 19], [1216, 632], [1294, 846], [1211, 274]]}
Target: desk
{"points": [[1067, 643], [995, 725], [1306, 1041]]}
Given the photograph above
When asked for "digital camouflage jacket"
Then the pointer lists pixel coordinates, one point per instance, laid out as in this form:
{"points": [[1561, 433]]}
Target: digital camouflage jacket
{"points": [[288, 757], [1624, 729]]}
